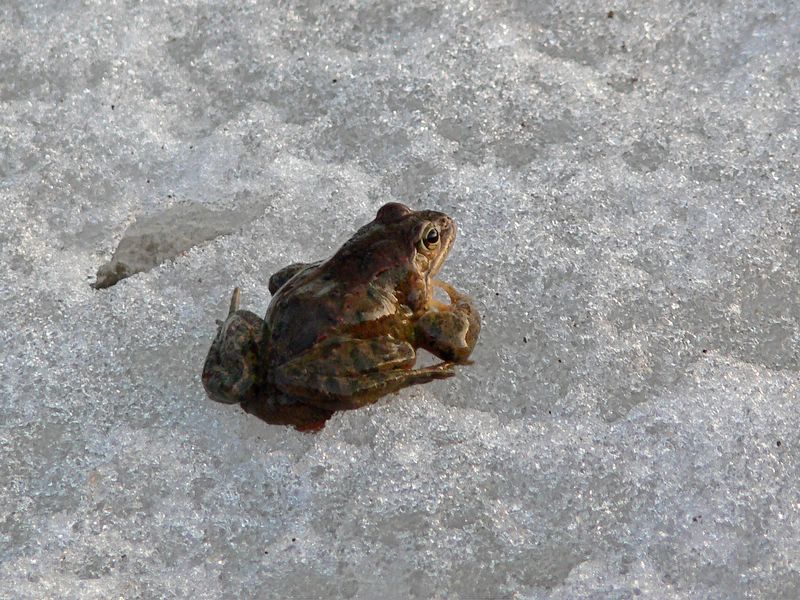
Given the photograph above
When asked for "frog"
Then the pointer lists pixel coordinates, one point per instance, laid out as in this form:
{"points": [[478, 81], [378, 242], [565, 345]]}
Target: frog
{"points": [[341, 333]]}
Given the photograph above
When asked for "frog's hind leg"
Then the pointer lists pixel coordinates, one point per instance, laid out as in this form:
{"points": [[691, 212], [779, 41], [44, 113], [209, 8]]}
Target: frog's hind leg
{"points": [[349, 373], [230, 372], [285, 274]]}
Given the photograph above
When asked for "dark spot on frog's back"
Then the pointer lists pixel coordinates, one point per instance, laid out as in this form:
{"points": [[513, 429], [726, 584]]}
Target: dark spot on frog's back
{"points": [[299, 334], [364, 358]]}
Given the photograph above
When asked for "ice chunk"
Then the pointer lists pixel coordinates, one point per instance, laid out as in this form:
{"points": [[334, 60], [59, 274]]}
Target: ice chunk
{"points": [[154, 239]]}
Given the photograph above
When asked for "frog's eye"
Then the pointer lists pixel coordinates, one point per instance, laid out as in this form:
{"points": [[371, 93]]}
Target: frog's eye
{"points": [[430, 237]]}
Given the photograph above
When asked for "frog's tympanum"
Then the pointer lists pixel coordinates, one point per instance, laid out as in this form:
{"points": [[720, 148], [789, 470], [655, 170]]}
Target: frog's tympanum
{"points": [[340, 333]]}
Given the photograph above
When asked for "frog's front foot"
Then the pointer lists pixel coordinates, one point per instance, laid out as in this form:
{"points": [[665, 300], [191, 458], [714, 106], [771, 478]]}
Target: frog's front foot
{"points": [[450, 331], [230, 372]]}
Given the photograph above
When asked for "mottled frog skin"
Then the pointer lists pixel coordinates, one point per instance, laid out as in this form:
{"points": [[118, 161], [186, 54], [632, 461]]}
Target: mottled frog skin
{"points": [[341, 333]]}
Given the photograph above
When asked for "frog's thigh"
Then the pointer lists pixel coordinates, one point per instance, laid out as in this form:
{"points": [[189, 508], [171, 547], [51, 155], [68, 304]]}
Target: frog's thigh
{"points": [[355, 356], [229, 373], [349, 373]]}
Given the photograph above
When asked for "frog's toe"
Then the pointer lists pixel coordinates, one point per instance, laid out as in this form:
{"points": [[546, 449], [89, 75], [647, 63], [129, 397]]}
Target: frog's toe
{"points": [[443, 370], [236, 298]]}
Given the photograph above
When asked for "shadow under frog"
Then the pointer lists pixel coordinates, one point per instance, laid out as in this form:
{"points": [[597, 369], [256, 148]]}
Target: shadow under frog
{"points": [[341, 333]]}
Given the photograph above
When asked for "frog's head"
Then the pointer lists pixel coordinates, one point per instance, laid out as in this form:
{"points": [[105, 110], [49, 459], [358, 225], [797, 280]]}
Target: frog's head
{"points": [[426, 236], [421, 240], [400, 251]]}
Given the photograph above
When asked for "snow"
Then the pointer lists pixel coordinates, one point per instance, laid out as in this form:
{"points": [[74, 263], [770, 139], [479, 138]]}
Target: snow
{"points": [[624, 178]]}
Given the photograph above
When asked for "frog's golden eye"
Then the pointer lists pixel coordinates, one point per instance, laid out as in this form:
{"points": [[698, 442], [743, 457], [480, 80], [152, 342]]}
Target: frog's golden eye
{"points": [[430, 237]]}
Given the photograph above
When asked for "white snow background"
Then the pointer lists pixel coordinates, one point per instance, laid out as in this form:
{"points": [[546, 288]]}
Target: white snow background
{"points": [[624, 176]]}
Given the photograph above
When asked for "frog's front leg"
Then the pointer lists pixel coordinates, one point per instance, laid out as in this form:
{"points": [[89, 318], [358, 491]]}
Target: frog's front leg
{"points": [[450, 331], [230, 372], [345, 373]]}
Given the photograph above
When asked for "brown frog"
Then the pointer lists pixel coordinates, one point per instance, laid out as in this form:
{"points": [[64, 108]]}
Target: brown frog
{"points": [[340, 333]]}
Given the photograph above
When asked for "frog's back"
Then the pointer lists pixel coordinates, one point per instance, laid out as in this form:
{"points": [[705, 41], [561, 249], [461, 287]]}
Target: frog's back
{"points": [[297, 316], [314, 306]]}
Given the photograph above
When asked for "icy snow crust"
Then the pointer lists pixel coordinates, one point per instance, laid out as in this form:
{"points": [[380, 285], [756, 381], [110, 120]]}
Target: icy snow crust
{"points": [[625, 181]]}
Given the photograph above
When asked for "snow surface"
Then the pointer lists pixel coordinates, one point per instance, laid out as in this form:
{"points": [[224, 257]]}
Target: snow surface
{"points": [[625, 181]]}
